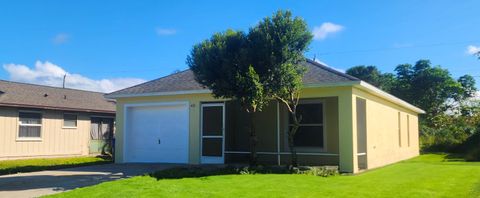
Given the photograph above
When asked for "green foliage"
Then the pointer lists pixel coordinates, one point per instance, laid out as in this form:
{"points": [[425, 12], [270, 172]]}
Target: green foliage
{"points": [[468, 86], [278, 45], [192, 172], [30, 165], [426, 86], [452, 117], [255, 67], [221, 64], [372, 75], [322, 171]]}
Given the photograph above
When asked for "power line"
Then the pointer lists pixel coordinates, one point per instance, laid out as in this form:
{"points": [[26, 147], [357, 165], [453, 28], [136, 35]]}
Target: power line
{"points": [[397, 48]]}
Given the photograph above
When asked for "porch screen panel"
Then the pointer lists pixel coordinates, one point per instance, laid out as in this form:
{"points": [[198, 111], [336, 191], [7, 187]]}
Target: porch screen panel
{"points": [[212, 147], [212, 121], [309, 136], [94, 129], [311, 130], [105, 130]]}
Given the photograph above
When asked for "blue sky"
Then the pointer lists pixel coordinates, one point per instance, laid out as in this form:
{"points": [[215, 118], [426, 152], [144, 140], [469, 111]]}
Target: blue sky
{"points": [[107, 45]]}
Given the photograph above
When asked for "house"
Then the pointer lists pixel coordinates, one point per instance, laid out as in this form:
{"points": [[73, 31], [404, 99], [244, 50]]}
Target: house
{"points": [[346, 122], [43, 121]]}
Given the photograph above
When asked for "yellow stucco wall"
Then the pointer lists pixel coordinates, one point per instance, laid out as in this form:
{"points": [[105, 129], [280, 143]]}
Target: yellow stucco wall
{"points": [[381, 125], [383, 137], [55, 140], [194, 111]]}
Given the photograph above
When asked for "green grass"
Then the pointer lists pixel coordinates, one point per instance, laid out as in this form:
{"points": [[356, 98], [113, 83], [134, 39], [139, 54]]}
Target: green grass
{"points": [[30, 165], [429, 175]]}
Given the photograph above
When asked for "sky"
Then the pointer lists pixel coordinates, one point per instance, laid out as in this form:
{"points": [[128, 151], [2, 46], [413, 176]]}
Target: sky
{"points": [[108, 45]]}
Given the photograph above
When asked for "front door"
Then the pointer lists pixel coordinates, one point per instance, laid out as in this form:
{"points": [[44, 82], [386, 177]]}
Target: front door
{"points": [[212, 130]]}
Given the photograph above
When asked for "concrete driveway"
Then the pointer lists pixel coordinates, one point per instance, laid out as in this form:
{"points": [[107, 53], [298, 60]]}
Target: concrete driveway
{"points": [[40, 183]]}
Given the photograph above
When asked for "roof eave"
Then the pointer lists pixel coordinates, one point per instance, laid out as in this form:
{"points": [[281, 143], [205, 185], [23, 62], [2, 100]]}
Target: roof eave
{"points": [[359, 84], [57, 108], [166, 93], [378, 92]]}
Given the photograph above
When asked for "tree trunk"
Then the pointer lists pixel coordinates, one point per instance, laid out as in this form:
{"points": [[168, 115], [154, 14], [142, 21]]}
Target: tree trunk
{"points": [[291, 135], [253, 140]]}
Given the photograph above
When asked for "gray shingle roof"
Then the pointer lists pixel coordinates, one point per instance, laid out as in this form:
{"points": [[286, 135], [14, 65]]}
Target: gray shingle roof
{"points": [[45, 97], [185, 81]]}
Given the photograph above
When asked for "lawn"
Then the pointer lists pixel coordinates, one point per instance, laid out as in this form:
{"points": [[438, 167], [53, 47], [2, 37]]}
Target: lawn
{"points": [[30, 165], [430, 175]]}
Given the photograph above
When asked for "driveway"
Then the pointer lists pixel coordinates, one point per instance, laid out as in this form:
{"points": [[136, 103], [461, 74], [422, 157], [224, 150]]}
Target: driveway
{"points": [[40, 183]]}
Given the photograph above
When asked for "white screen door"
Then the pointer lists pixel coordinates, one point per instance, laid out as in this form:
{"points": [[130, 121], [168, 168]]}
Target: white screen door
{"points": [[213, 127]]}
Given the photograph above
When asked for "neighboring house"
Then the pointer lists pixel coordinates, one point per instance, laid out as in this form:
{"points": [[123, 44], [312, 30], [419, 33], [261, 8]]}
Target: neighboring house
{"points": [[346, 122], [43, 121]]}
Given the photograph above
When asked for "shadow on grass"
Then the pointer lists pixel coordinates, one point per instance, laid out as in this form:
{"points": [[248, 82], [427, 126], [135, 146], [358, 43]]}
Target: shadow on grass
{"points": [[69, 164]]}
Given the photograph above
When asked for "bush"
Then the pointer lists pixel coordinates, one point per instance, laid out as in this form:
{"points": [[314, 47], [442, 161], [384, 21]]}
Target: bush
{"points": [[203, 171], [322, 171]]}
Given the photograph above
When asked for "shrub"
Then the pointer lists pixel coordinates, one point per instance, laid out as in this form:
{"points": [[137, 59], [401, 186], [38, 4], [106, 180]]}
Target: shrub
{"points": [[323, 171], [203, 171]]}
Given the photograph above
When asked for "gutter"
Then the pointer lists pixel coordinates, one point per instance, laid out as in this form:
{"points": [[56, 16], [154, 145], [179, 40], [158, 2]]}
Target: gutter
{"points": [[357, 84], [56, 108], [378, 92]]}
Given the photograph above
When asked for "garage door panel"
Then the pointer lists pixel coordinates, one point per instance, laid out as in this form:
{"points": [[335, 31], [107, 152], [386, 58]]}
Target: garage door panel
{"points": [[157, 133]]}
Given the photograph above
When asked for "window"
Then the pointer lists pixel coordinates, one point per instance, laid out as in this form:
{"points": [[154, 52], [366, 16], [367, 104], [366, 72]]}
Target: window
{"points": [[69, 121], [399, 130], [30, 125], [408, 130], [311, 130]]}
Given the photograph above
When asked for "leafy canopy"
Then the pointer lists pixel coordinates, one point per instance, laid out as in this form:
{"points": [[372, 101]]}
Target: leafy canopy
{"points": [[373, 76], [221, 64], [277, 47]]}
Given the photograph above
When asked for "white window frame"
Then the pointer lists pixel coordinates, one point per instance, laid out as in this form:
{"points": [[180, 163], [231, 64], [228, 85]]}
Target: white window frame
{"points": [[20, 124], [323, 125], [68, 127]]}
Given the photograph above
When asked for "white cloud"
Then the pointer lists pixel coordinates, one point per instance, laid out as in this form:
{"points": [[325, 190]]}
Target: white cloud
{"points": [[321, 32], [165, 31], [471, 49], [60, 38], [47, 73]]}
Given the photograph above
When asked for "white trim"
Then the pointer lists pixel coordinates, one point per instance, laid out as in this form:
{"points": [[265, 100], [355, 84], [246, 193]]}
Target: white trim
{"points": [[212, 159], [281, 153], [28, 139], [361, 154], [125, 120], [376, 91], [36, 139], [360, 84], [338, 84], [212, 136], [167, 93]]}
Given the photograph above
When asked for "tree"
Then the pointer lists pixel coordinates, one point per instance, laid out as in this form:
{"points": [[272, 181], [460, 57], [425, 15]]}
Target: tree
{"points": [[373, 76], [255, 68], [222, 64], [468, 86], [277, 47]]}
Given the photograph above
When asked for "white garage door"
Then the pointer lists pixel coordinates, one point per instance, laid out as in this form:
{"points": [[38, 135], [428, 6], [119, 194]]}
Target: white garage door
{"points": [[157, 133]]}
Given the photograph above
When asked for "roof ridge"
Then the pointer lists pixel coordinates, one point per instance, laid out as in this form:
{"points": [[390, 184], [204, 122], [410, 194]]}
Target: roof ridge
{"points": [[49, 86], [330, 69], [148, 81]]}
